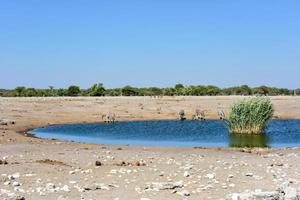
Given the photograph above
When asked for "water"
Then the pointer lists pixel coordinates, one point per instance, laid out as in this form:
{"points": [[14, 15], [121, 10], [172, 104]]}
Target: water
{"points": [[210, 133]]}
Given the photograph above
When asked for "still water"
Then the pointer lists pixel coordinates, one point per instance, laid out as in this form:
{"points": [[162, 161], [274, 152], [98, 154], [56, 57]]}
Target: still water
{"points": [[210, 133]]}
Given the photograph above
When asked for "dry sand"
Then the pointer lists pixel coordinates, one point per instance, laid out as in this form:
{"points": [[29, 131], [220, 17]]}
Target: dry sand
{"points": [[50, 169]]}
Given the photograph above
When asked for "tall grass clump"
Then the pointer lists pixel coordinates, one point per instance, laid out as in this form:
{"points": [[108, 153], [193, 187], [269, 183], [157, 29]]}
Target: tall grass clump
{"points": [[250, 116]]}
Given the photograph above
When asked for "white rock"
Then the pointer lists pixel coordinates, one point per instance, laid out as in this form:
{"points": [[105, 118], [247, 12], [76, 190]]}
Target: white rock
{"points": [[249, 174], [184, 193], [6, 183], [16, 175], [65, 188], [15, 183], [164, 185], [186, 174], [210, 176]]}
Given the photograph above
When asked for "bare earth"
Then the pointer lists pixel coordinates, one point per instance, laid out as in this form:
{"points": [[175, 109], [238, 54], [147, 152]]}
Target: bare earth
{"points": [[41, 169]]}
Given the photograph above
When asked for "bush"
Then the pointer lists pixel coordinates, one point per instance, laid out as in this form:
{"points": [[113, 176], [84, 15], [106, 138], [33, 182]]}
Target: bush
{"points": [[250, 116], [73, 90]]}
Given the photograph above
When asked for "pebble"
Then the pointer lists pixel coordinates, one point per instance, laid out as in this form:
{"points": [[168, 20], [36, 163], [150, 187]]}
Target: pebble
{"points": [[164, 185], [249, 174], [184, 193], [65, 188], [15, 183], [210, 176], [186, 174]]}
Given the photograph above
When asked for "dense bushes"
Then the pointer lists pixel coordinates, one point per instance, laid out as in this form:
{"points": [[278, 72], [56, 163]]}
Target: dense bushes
{"points": [[250, 116], [177, 90]]}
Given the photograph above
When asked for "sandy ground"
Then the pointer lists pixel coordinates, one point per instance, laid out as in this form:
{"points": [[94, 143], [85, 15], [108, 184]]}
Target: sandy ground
{"points": [[41, 169]]}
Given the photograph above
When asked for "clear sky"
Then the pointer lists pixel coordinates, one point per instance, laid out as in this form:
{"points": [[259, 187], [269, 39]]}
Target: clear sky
{"points": [[149, 42]]}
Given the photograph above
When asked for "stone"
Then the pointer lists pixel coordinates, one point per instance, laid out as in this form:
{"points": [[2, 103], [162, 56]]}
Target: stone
{"points": [[98, 163], [65, 188], [210, 176], [6, 183], [230, 176], [186, 174], [184, 193], [3, 123], [291, 190], [20, 198], [249, 174], [3, 162], [164, 185], [16, 184]]}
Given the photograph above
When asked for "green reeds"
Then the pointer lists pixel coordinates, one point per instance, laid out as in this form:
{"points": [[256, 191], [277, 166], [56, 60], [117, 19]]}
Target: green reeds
{"points": [[250, 116]]}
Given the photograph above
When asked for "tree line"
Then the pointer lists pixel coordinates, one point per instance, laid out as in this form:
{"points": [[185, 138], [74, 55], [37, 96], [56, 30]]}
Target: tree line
{"points": [[178, 90]]}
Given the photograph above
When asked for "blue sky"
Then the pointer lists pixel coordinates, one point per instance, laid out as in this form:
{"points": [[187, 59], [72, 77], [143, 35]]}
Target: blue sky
{"points": [[149, 43]]}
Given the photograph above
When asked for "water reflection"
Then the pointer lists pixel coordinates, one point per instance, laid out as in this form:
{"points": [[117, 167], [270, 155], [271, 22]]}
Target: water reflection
{"points": [[242, 140]]}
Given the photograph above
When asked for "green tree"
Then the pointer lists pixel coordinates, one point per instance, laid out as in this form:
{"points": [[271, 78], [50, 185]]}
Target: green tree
{"points": [[129, 91], [179, 89], [213, 90], [73, 90], [61, 92], [30, 92], [97, 90], [169, 91], [245, 90], [262, 90], [20, 91]]}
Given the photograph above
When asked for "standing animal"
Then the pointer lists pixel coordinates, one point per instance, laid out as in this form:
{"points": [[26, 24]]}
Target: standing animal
{"points": [[199, 115], [181, 115]]}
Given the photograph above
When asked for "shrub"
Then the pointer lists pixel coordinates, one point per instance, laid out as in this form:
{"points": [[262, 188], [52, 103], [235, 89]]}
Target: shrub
{"points": [[73, 90], [250, 116]]}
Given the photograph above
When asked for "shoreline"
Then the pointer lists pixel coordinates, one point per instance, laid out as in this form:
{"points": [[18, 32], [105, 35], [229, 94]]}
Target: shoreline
{"points": [[27, 133], [53, 169]]}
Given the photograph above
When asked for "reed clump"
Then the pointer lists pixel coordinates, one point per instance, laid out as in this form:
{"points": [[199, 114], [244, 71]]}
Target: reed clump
{"points": [[250, 116]]}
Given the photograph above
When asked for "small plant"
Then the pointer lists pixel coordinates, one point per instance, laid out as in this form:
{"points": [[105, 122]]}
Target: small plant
{"points": [[250, 116]]}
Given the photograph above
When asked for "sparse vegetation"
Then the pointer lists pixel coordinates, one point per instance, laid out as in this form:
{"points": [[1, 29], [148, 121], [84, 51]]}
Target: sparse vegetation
{"points": [[250, 116]]}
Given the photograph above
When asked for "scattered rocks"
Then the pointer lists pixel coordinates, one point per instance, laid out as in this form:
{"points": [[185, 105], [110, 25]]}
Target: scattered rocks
{"points": [[287, 191], [137, 163], [3, 162], [7, 122], [291, 190], [277, 164], [52, 162], [258, 195], [98, 186], [164, 185], [20, 198]]}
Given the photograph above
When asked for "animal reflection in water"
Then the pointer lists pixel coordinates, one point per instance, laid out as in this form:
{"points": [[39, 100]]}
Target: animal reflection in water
{"points": [[241, 140]]}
